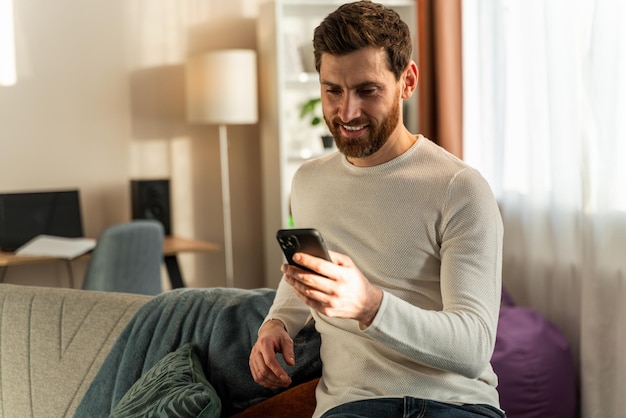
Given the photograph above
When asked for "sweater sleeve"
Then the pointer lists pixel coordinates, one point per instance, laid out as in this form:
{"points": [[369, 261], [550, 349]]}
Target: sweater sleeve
{"points": [[461, 336], [288, 309]]}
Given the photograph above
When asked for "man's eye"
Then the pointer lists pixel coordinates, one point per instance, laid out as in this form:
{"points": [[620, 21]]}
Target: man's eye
{"points": [[367, 92]]}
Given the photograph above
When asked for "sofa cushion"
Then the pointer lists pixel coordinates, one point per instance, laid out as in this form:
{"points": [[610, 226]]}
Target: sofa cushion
{"points": [[174, 387]]}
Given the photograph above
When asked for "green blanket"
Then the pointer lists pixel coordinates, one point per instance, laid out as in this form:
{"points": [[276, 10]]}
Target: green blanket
{"points": [[221, 323]]}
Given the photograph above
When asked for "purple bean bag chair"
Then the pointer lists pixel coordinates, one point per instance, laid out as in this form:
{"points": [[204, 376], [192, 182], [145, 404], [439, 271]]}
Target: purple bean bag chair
{"points": [[532, 358]]}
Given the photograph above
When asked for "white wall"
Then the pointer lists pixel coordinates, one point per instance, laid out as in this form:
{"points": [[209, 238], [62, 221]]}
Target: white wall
{"points": [[99, 101]]}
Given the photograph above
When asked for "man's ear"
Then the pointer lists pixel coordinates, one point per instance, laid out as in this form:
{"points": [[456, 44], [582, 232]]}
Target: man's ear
{"points": [[409, 79]]}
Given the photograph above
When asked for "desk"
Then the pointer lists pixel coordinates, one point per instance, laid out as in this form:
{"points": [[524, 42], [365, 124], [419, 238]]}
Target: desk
{"points": [[172, 246]]}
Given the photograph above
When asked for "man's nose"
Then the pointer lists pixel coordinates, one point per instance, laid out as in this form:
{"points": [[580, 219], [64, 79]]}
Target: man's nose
{"points": [[349, 108]]}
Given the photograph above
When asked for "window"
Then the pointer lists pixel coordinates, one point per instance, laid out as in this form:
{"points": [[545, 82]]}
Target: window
{"points": [[8, 74]]}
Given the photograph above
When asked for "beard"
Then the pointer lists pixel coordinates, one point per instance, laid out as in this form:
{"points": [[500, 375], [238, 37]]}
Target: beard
{"points": [[367, 144]]}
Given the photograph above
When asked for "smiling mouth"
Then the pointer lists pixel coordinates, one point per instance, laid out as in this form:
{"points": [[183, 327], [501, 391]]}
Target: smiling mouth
{"points": [[353, 131], [353, 128]]}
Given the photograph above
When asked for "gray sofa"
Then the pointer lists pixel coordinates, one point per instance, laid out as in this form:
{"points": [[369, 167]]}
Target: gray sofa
{"points": [[52, 343]]}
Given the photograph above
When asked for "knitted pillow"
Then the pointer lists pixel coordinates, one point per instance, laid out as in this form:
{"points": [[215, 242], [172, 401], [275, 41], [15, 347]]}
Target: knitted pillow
{"points": [[174, 387]]}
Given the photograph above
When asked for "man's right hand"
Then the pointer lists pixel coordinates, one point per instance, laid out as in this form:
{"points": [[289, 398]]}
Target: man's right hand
{"points": [[265, 368]]}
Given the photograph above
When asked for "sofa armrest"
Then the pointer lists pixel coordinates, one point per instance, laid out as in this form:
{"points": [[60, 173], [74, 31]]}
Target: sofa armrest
{"points": [[52, 343]]}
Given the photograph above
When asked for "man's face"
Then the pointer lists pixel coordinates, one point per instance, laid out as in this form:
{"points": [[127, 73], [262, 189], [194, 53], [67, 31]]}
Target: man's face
{"points": [[360, 100]]}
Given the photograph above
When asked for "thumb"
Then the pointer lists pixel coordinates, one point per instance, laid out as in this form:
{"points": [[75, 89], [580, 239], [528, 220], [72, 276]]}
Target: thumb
{"points": [[288, 353]]}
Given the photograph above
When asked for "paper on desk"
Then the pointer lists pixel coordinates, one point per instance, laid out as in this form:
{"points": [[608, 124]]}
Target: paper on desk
{"points": [[53, 246]]}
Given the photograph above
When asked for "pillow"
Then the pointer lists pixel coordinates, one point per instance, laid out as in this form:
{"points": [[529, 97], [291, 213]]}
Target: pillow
{"points": [[174, 387], [534, 365]]}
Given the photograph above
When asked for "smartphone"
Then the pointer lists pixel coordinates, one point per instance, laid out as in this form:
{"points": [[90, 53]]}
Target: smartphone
{"points": [[305, 240]]}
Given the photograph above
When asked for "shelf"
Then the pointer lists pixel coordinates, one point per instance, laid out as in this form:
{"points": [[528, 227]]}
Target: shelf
{"points": [[306, 155], [302, 79]]}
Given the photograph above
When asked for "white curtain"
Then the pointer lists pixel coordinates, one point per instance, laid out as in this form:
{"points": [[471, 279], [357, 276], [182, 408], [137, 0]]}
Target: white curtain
{"points": [[544, 87]]}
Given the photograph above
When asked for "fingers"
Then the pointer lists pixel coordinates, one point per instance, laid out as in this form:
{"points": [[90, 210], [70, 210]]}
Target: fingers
{"points": [[267, 372], [288, 353], [314, 298], [318, 265], [314, 289], [341, 259], [264, 366]]}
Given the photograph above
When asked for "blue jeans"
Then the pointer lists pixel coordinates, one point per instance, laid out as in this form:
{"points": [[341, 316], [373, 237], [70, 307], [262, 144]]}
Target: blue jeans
{"points": [[408, 407]]}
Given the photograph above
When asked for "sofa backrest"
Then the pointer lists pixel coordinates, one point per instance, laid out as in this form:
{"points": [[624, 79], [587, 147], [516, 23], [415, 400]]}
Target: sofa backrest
{"points": [[52, 343]]}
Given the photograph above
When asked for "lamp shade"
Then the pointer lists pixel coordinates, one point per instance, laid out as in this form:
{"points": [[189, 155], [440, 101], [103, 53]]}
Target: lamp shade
{"points": [[222, 87]]}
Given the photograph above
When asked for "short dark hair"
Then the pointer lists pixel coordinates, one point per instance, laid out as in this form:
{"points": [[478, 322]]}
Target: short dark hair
{"points": [[362, 24]]}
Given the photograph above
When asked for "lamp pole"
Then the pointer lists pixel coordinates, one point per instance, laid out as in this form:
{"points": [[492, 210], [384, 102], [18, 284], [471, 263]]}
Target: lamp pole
{"points": [[228, 232]]}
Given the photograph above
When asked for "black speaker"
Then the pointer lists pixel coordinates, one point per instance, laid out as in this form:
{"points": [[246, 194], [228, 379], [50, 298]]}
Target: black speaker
{"points": [[151, 200]]}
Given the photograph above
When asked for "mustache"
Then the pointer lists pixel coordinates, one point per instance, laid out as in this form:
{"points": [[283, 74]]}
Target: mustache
{"points": [[354, 122]]}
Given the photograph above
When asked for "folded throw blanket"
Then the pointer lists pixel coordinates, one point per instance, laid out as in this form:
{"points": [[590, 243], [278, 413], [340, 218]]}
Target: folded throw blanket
{"points": [[221, 323]]}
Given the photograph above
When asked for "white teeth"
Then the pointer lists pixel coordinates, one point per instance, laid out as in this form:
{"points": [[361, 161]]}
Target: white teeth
{"points": [[353, 128]]}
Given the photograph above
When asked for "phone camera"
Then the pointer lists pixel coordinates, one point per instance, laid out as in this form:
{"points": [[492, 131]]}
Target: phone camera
{"points": [[290, 242]]}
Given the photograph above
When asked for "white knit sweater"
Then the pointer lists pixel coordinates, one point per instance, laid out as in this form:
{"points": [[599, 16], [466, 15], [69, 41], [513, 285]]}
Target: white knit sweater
{"points": [[426, 229]]}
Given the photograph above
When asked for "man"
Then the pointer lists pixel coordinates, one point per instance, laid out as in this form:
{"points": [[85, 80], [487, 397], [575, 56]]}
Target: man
{"points": [[408, 308]]}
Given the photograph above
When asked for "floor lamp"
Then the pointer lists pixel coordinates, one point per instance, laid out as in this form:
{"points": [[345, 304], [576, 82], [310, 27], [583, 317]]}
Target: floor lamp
{"points": [[222, 90]]}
